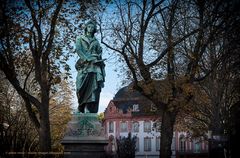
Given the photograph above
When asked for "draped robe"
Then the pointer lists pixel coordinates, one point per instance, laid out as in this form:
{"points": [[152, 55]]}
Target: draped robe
{"points": [[91, 73]]}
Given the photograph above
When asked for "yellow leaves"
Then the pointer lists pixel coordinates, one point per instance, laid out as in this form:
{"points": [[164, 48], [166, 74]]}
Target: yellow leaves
{"points": [[100, 116], [60, 113], [59, 117]]}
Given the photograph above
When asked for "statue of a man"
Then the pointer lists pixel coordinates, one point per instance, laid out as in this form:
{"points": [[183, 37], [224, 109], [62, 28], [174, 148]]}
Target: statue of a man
{"points": [[90, 67]]}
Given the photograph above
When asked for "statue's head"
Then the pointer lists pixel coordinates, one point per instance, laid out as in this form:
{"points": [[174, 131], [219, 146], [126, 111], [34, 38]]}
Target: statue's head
{"points": [[93, 23]]}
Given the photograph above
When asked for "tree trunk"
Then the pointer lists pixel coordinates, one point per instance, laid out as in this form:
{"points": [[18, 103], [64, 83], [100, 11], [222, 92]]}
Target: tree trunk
{"points": [[216, 121], [44, 131], [168, 120]]}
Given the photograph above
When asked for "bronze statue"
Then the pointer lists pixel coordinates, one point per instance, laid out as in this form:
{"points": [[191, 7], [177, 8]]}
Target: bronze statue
{"points": [[90, 67]]}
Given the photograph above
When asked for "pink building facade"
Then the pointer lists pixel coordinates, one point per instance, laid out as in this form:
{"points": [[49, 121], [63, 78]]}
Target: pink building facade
{"points": [[131, 112]]}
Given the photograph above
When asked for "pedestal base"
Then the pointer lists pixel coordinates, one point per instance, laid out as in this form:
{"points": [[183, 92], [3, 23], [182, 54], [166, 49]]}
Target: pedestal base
{"points": [[84, 147], [84, 137]]}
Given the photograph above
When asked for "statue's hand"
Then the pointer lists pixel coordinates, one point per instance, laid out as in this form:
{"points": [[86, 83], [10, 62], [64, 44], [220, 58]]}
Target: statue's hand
{"points": [[96, 55], [80, 64], [91, 59], [100, 62]]}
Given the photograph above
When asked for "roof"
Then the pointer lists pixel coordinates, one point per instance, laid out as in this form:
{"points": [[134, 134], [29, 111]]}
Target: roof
{"points": [[127, 97], [127, 93], [142, 106]]}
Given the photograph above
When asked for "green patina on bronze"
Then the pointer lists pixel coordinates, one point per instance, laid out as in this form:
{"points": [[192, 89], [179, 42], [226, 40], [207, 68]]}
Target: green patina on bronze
{"points": [[90, 67], [84, 125]]}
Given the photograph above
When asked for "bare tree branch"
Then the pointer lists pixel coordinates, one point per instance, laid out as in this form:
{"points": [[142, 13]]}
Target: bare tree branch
{"points": [[164, 52]]}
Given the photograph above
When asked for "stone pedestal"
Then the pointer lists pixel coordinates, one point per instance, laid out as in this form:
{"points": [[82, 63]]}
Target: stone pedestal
{"points": [[84, 137]]}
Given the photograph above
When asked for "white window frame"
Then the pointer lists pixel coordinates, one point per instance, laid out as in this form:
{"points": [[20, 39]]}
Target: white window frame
{"points": [[135, 127], [197, 147], [157, 126], [125, 129], [147, 144], [182, 143], [146, 126], [135, 108], [158, 143], [111, 127], [137, 144], [153, 108]]}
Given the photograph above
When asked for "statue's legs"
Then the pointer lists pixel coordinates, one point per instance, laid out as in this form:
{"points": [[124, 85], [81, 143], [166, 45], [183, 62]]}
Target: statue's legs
{"points": [[92, 107], [89, 94], [81, 108]]}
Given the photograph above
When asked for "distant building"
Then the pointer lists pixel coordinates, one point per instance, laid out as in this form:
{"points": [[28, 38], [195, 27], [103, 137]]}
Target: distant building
{"points": [[129, 111]]}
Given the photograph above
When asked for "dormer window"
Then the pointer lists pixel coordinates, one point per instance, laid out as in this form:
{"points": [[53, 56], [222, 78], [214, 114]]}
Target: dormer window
{"points": [[135, 107], [153, 108]]}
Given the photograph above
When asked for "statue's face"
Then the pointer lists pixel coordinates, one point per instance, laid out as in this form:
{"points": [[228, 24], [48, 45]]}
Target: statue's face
{"points": [[90, 28]]}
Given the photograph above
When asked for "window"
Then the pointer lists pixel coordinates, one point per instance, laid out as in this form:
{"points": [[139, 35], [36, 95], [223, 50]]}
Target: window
{"points": [[147, 144], [147, 126], [135, 107], [135, 127], [111, 127], [197, 147], [157, 143], [153, 108], [182, 142], [123, 126], [137, 144], [157, 126]]}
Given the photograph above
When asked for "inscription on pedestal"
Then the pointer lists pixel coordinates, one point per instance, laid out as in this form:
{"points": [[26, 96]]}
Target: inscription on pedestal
{"points": [[84, 125], [84, 137]]}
